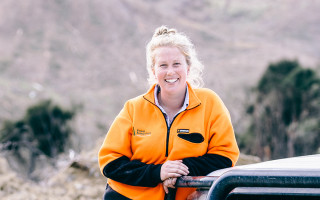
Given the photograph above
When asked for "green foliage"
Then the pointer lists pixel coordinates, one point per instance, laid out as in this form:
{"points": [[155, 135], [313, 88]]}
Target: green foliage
{"points": [[275, 74], [44, 128], [12, 133], [287, 96]]}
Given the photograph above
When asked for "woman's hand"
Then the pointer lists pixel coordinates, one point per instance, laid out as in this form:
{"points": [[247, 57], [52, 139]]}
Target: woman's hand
{"points": [[173, 169], [170, 182]]}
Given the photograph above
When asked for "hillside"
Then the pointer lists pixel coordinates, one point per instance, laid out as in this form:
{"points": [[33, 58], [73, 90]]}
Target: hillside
{"points": [[91, 54], [85, 53]]}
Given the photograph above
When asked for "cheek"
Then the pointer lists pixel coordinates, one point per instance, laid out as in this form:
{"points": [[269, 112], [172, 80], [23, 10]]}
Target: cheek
{"points": [[157, 73], [184, 72]]}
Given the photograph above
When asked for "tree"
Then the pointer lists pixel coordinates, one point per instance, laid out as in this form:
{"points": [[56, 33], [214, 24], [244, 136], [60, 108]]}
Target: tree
{"points": [[286, 113]]}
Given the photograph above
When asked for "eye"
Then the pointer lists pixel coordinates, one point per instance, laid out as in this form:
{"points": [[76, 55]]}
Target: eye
{"points": [[177, 64], [163, 65]]}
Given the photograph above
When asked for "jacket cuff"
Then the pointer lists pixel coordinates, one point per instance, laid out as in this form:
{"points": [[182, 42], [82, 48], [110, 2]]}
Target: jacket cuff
{"points": [[155, 174]]}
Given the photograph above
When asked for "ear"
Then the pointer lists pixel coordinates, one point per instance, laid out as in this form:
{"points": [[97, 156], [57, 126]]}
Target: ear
{"points": [[188, 69]]}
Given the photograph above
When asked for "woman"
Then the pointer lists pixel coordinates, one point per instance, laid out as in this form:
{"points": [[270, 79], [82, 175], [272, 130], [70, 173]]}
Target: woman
{"points": [[173, 130]]}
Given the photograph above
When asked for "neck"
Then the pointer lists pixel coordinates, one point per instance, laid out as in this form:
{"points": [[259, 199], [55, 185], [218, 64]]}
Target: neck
{"points": [[171, 101]]}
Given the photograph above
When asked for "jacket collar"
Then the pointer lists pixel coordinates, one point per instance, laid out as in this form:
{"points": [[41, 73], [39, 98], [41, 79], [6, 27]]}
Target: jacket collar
{"points": [[194, 101]]}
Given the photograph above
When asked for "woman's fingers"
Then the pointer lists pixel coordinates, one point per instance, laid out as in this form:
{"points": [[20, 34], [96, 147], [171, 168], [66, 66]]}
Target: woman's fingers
{"points": [[166, 190], [176, 167], [173, 182], [179, 166], [170, 182], [173, 169]]}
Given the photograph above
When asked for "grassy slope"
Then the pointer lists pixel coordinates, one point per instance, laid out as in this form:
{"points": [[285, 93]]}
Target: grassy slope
{"points": [[93, 52]]}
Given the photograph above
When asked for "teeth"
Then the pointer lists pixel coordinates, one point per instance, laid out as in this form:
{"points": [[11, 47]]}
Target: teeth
{"points": [[171, 80]]}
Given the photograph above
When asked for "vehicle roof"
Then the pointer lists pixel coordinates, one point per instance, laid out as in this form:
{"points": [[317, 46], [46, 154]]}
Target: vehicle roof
{"points": [[310, 162]]}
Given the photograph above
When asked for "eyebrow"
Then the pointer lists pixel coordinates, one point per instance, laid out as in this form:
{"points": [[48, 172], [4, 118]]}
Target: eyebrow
{"points": [[175, 60]]}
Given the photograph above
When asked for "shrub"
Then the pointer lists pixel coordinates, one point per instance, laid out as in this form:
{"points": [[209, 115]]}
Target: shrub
{"points": [[44, 129], [287, 97]]}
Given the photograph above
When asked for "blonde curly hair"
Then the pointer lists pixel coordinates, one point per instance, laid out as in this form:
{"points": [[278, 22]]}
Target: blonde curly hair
{"points": [[164, 36]]}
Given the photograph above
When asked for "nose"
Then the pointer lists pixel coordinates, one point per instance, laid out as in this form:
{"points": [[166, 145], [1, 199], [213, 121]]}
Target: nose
{"points": [[170, 70]]}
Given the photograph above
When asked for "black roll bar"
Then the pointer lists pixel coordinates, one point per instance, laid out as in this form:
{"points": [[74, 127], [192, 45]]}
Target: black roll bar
{"points": [[223, 185], [202, 182]]}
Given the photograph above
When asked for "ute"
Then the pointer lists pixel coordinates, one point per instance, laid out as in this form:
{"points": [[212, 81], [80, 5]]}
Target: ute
{"points": [[296, 178]]}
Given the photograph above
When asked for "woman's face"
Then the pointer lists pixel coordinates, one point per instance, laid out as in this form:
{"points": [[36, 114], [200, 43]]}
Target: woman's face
{"points": [[170, 70]]}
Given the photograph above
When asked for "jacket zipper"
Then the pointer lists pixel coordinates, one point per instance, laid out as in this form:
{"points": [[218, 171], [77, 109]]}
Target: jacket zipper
{"points": [[168, 128]]}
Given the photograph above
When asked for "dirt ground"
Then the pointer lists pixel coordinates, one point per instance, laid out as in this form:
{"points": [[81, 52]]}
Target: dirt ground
{"points": [[80, 179]]}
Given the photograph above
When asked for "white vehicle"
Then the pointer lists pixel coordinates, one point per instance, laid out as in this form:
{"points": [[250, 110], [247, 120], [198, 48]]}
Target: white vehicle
{"points": [[296, 178]]}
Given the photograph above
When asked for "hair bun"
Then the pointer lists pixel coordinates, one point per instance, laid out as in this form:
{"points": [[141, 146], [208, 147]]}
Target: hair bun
{"points": [[163, 30]]}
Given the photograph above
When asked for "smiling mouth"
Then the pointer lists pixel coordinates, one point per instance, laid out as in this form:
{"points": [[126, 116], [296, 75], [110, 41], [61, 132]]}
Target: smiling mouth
{"points": [[171, 80]]}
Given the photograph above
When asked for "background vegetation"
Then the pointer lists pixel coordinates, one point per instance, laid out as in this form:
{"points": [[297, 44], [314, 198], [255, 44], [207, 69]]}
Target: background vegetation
{"points": [[285, 114], [43, 130]]}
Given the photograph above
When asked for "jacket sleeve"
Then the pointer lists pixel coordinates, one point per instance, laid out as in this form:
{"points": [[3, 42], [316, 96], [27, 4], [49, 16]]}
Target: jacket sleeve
{"points": [[203, 165], [222, 150], [133, 172], [115, 155]]}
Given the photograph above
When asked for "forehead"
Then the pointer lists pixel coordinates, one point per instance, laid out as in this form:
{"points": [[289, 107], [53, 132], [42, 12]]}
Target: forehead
{"points": [[168, 53]]}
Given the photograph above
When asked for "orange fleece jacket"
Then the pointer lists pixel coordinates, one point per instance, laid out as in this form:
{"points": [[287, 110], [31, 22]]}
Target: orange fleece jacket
{"points": [[140, 133]]}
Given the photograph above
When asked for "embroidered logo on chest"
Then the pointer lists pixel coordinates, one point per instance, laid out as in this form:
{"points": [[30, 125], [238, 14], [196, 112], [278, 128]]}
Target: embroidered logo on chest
{"points": [[141, 132]]}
